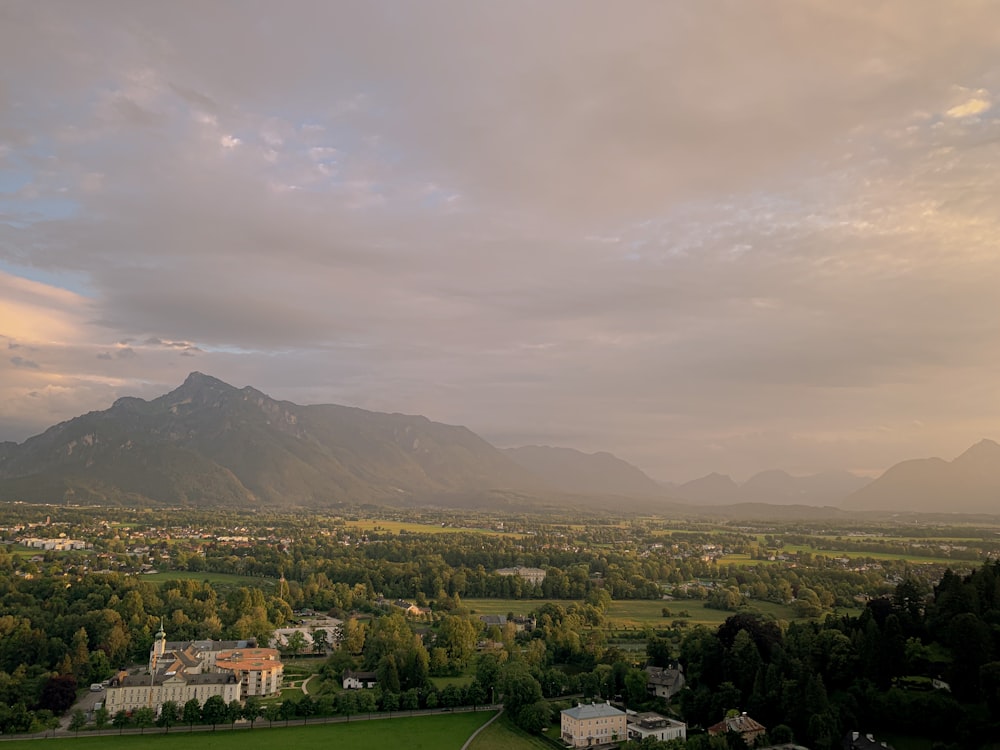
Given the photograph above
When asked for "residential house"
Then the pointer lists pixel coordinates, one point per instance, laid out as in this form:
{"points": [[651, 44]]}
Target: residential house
{"points": [[742, 724], [592, 724], [358, 680], [665, 682], [650, 724]]}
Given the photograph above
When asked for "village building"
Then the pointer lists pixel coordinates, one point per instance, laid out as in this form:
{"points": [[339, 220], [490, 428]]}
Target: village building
{"points": [[650, 724], [742, 725]]}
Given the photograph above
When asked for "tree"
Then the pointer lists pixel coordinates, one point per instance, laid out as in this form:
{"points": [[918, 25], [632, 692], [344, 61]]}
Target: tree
{"points": [[144, 717], [58, 693], [78, 721], [192, 712], [234, 711], [169, 714], [535, 717], [296, 642], [252, 709], [101, 717], [320, 640], [214, 711], [519, 688], [120, 721]]}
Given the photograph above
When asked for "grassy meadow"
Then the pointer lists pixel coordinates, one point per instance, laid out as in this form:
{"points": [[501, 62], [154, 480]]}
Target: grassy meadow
{"points": [[435, 732]]}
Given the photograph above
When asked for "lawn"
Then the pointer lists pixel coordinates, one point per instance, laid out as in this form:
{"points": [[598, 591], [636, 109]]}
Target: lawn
{"points": [[502, 734], [415, 733], [633, 613], [215, 578], [397, 527]]}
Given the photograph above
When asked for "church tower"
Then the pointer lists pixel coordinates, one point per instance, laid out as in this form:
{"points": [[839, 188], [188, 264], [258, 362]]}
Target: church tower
{"points": [[159, 647]]}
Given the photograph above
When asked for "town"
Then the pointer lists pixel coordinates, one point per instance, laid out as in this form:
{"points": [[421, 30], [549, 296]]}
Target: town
{"points": [[638, 630]]}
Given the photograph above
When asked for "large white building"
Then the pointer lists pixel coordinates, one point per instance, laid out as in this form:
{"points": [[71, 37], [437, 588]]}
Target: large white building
{"points": [[181, 670], [592, 724]]}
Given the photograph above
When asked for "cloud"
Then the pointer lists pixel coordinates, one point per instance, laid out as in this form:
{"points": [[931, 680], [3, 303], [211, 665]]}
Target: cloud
{"points": [[24, 363], [703, 237]]}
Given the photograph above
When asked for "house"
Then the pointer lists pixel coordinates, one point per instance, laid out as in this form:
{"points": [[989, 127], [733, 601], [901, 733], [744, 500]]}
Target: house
{"points": [[859, 741], [490, 621], [650, 724], [358, 680], [592, 724], [665, 682], [742, 724]]}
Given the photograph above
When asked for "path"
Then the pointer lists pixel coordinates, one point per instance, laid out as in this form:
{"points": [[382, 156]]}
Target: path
{"points": [[476, 733], [306, 682]]}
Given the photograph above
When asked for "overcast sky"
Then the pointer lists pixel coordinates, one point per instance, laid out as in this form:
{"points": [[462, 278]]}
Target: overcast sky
{"points": [[704, 236]]}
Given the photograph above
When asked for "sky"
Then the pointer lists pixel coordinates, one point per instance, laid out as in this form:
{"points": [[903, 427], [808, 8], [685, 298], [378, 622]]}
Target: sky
{"points": [[713, 236]]}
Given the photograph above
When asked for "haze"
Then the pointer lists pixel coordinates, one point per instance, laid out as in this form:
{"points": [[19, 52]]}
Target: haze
{"points": [[710, 236]]}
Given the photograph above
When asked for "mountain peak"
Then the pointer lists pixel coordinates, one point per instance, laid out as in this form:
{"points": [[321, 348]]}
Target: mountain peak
{"points": [[201, 380]]}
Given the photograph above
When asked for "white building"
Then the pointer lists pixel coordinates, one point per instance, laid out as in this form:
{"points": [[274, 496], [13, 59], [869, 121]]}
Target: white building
{"points": [[592, 724], [181, 670], [650, 724]]}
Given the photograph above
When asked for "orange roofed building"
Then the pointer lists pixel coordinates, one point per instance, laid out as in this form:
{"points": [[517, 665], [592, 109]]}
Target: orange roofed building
{"points": [[258, 670]]}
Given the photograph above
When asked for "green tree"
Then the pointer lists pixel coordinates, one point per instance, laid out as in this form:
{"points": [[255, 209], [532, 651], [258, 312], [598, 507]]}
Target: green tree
{"points": [[101, 717], [252, 709], [77, 721], [191, 714], [121, 720], [214, 711], [169, 714], [144, 717]]}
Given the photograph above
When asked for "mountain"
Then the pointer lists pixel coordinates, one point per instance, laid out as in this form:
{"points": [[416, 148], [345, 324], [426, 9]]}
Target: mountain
{"points": [[571, 470], [968, 484], [713, 489], [208, 443], [781, 488], [771, 487]]}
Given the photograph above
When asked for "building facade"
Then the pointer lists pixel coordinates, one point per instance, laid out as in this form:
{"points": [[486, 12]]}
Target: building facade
{"points": [[650, 724], [592, 724], [181, 670]]}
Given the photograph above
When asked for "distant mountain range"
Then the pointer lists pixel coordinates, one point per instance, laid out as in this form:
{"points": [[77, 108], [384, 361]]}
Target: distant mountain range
{"points": [[969, 484], [588, 473], [770, 487], [209, 443]]}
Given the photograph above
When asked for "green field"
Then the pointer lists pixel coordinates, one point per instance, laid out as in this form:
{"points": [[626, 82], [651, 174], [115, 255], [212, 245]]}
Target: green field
{"points": [[395, 527], [633, 613], [415, 733], [226, 579], [502, 734]]}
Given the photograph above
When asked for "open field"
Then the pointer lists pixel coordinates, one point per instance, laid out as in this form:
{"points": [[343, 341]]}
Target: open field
{"points": [[226, 579], [445, 731], [396, 527], [633, 613], [502, 734]]}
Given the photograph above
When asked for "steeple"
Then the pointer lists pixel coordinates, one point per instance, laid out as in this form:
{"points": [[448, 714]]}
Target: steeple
{"points": [[159, 646]]}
